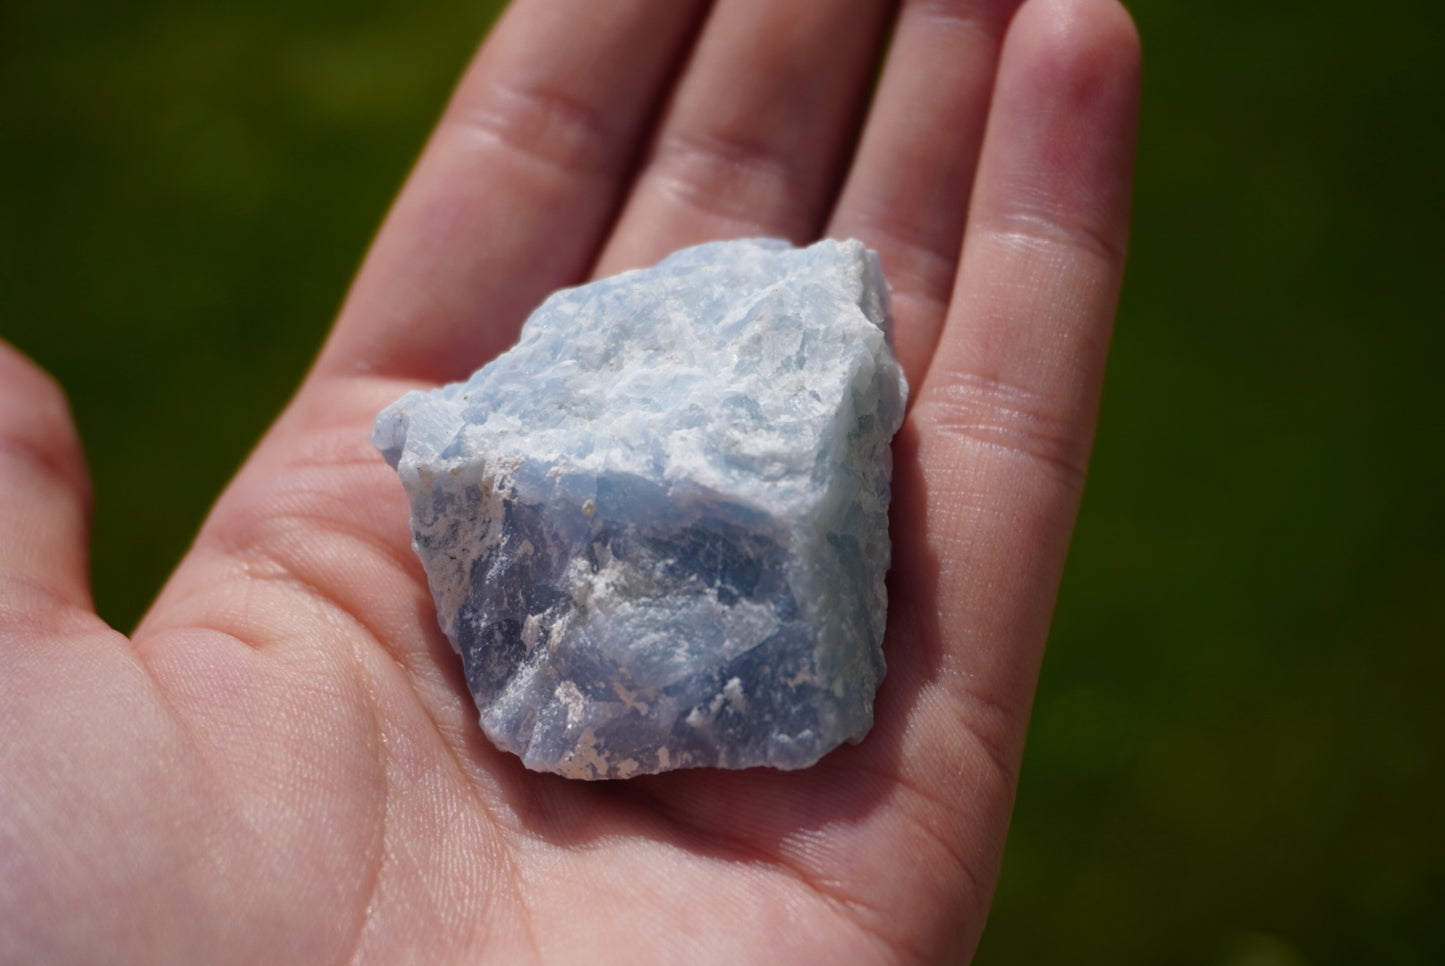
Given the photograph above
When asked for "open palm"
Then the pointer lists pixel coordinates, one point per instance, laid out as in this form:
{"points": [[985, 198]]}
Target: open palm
{"points": [[283, 764]]}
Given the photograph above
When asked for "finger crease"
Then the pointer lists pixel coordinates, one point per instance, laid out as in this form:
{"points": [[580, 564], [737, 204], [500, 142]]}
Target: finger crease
{"points": [[942, 807], [1012, 418], [987, 17], [1036, 230], [737, 846], [724, 176], [986, 720], [544, 125]]}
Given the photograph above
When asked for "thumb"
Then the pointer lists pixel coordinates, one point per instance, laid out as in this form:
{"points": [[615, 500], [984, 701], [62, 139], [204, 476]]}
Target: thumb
{"points": [[44, 504]]}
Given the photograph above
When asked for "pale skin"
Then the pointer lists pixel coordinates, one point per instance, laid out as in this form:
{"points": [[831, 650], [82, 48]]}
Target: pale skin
{"points": [[282, 764]]}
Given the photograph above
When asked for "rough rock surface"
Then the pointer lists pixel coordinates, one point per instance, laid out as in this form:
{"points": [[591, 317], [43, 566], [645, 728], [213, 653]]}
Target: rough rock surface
{"points": [[656, 530]]}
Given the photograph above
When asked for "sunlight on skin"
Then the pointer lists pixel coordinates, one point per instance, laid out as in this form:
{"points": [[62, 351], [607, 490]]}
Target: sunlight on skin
{"points": [[283, 765]]}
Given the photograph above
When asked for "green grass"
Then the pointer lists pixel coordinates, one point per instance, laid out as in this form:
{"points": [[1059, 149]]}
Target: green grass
{"points": [[1235, 757]]}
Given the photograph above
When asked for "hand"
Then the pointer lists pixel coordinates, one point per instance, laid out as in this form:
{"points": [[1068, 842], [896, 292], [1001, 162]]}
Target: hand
{"points": [[283, 764]]}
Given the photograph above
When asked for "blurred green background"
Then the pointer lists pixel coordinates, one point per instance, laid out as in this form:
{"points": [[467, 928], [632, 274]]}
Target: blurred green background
{"points": [[1235, 756]]}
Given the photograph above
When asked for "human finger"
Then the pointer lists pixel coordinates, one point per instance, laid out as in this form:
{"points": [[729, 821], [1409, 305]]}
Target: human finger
{"points": [[1004, 419], [991, 462], [756, 138], [907, 191], [516, 188], [44, 503]]}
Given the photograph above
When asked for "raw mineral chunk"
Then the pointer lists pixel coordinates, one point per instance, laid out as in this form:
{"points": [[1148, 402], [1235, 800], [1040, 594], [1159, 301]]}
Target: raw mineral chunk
{"points": [[656, 530]]}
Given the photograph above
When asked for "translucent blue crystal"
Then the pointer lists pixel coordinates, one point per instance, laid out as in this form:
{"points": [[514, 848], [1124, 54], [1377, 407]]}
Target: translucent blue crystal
{"points": [[656, 530]]}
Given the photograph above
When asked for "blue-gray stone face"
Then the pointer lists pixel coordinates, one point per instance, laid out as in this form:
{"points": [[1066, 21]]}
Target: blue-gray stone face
{"points": [[656, 530]]}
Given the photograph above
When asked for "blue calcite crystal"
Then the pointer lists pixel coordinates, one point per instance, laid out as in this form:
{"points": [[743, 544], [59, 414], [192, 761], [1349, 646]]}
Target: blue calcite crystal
{"points": [[656, 530]]}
